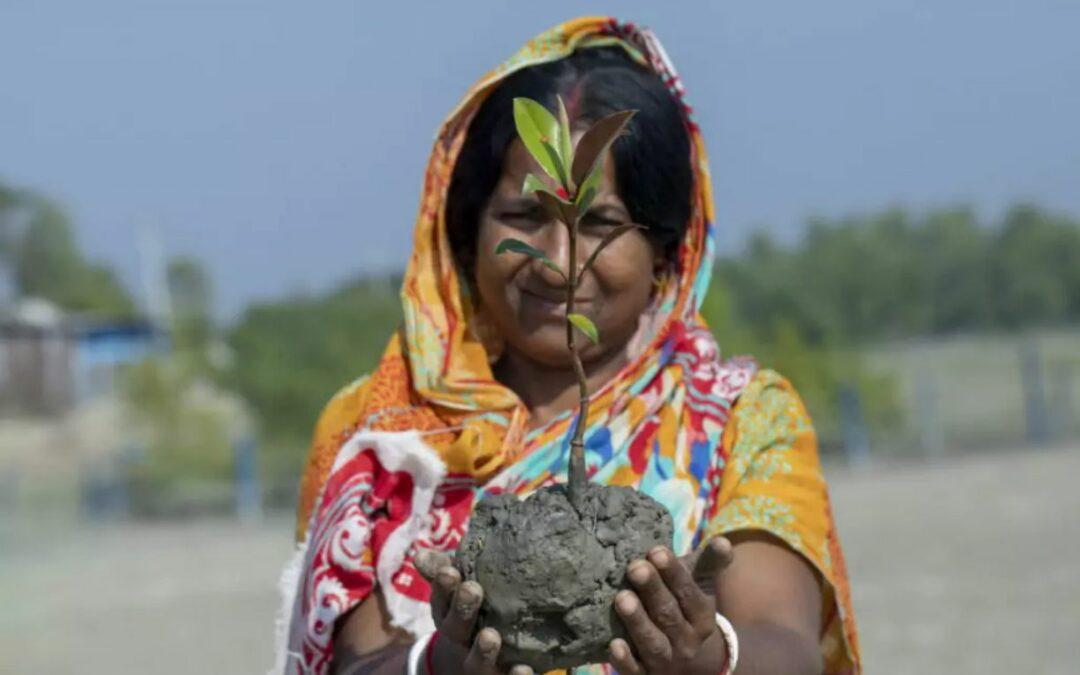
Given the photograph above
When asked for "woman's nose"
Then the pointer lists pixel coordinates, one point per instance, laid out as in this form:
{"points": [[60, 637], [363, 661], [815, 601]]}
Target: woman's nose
{"points": [[555, 242]]}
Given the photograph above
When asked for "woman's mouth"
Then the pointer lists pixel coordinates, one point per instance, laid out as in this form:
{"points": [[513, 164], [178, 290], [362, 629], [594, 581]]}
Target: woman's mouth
{"points": [[550, 303]]}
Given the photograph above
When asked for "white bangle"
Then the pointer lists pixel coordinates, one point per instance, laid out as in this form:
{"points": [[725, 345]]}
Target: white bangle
{"points": [[731, 640], [417, 651]]}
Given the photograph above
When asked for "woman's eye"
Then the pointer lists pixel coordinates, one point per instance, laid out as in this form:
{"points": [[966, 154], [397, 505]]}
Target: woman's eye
{"points": [[532, 215], [599, 222]]}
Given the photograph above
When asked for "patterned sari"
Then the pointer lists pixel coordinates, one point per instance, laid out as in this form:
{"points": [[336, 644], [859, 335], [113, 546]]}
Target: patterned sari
{"points": [[400, 457]]}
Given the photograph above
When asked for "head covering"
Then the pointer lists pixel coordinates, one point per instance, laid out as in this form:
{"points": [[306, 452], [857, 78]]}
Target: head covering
{"points": [[399, 458]]}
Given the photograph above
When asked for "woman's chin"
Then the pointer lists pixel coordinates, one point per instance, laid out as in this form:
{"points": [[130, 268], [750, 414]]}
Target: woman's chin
{"points": [[550, 350], [550, 353]]}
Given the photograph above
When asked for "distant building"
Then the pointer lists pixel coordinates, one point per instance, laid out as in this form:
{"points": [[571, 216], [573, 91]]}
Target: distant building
{"points": [[50, 362], [104, 349]]}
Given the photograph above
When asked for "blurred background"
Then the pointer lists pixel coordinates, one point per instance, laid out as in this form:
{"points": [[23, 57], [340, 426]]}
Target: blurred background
{"points": [[205, 209]]}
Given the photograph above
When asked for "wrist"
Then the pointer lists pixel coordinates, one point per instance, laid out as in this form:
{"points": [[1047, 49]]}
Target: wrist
{"points": [[718, 654], [712, 658]]}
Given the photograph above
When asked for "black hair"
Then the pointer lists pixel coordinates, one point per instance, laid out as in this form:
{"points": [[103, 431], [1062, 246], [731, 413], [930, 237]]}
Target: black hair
{"points": [[652, 159]]}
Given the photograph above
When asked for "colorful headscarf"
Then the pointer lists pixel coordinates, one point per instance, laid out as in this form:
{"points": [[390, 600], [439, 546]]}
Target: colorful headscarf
{"points": [[399, 458]]}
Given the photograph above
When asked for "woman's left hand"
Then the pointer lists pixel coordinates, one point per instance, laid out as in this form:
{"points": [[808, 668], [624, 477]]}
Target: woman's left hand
{"points": [[671, 615]]}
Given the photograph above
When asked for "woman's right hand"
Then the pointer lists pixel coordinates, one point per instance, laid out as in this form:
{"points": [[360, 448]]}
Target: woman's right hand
{"points": [[454, 607]]}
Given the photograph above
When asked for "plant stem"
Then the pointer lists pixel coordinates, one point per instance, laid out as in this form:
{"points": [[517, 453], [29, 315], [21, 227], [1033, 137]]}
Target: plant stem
{"points": [[576, 478]]}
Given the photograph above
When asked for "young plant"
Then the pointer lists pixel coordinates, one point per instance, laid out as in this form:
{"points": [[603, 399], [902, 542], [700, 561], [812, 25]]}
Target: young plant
{"points": [[577, 172]]}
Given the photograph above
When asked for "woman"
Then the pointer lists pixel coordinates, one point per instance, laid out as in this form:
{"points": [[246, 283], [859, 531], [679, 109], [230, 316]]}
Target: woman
{"points": [[475, 395]]}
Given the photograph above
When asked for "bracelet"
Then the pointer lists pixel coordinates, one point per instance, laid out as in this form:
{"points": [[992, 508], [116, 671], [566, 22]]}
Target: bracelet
{"points": [[731, 641], [416, 651]]}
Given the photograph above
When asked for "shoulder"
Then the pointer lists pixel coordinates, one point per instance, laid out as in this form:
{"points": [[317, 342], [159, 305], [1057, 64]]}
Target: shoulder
{"points": [[766, 386], [769, 413], [342, 409], [340, 415], [385, 387], [349, 408]]}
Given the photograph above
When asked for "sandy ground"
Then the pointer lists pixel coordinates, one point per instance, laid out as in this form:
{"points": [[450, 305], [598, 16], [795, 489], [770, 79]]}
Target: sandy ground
{"points": [[969, 565]]}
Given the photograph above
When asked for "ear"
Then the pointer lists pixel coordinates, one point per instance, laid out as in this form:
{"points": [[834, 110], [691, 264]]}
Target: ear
{"points": [[661, 265], [661, 268]]}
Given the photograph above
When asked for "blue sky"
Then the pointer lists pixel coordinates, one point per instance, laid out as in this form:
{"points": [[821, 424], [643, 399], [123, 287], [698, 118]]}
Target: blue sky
{"points": [[283, 142]]}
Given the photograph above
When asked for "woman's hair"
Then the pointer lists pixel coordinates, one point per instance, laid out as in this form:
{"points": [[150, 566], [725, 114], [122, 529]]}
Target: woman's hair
{"points": [[652, 159]]}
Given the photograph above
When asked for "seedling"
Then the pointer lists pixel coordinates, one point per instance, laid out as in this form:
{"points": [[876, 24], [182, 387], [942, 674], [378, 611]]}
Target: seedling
{"points": [[577, 172], [551, 564]]}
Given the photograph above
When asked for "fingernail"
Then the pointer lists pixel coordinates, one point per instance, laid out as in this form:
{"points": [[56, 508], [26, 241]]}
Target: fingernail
{"points": [[659, 557], [617, 650], [466, 593], [489, 640], [625, 602], [639, 573]]}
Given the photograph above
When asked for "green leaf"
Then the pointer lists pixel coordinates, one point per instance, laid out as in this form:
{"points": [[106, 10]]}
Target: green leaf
{"points": [[595, 142], [588, 190], [585, 199], [566, 145], [537, 127], [518, 246], [560, 168], [585, 325], [533, 184]]}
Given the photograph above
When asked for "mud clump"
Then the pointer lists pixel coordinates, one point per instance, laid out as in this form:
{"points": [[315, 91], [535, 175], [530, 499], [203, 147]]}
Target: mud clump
{"points": [[550, 572]]}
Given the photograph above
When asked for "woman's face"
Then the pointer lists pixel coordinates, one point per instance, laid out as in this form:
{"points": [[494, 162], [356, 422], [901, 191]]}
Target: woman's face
{"points": [[526, 300]]}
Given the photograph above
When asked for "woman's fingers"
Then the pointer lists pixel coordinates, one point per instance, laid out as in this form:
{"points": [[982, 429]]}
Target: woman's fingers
{"points": [[623, 659], [484, 653], [455, 606], [444, 581], [698, 608], [709, 560], [429, 562], [650, 642], [663, 608], [444, 578], [460, 619], [443, 590]]}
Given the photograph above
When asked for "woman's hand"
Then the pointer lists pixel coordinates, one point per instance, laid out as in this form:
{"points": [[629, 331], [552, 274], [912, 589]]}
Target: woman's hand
{"points": [[454, 607], [671, 618]]}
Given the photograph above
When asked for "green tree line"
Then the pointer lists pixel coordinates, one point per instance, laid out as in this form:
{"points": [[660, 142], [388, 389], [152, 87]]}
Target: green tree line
{"points": [[38, 245], [809, 309], [895, 275]]}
